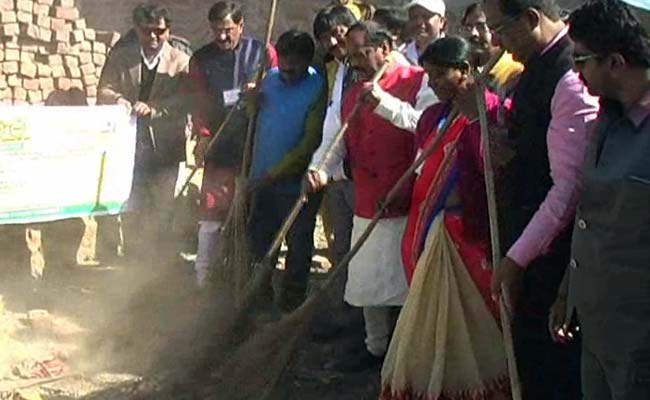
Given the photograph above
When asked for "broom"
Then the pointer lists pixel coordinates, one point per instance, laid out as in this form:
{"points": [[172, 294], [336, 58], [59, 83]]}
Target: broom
{"points": [[272, 346], [494, 239]]}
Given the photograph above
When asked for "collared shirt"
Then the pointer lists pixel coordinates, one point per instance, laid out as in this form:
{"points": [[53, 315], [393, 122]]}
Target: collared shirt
{"points": [[573, 109]]}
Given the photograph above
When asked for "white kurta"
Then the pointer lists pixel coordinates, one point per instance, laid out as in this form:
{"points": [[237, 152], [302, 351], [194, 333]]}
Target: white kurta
{"points": [[376, 274]]}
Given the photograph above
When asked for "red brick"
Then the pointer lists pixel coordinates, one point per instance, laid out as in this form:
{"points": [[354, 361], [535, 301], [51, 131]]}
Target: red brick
{"points": [[25, 5], [80, 24], [28, 69], [63, 84], [59, 24], [86, 46], [45, 34], [8, 17], [31, 84], [91, 91], [77, 36], [11, 29], [65, 3], [44, 21], [44, 50], [85, 57], [41, 9], [24, 17], [90, 80], [77, 83], [47, 83], [10, 67], [46, 2], [47, 92], [99, 59], [99, 48], [44, 70], [74, 49], [26, 57], [20, 94], [67, 13], [3, 82], [62, 48], [12, 54], [34, 96], [32, 31], [71, 61], [74, 72], [2, 55], [88, 69], [90, 34], [55, 59], [58, 71], [7, 5], [14, 81], [62, 36]]}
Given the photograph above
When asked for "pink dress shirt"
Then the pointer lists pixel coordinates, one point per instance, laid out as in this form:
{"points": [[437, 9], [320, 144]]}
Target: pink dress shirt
{"points": [[572, 111]]}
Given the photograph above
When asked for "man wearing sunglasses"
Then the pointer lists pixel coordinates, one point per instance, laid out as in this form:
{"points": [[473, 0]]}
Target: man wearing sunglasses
{"points": [[548, 129], [145, 77], [609, 278]]}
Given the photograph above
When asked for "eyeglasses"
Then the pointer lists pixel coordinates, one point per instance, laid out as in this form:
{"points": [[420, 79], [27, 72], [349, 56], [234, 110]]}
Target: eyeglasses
{"points": [[479, 26], [581, 59], [156, 31], [505, 24]]}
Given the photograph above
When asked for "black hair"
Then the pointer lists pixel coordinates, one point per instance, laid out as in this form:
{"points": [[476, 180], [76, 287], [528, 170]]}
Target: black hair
{"points": [[448, 51], [224, 9], [391, 19], [472, 8], [375, 35], [70, 97], [514, 8], [609, 26], [296, 43], [329, 18], [151, 13]]}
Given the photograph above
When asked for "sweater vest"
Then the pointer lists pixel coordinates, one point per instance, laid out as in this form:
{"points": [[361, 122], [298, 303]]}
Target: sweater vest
{"points": [[379, 152]]}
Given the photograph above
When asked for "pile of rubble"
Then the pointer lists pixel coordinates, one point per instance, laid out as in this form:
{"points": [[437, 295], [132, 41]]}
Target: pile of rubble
{"points": [[45, 46]]}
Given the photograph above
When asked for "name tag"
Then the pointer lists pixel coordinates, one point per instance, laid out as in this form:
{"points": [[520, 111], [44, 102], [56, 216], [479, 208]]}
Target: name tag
{"points": [[231, 97]]}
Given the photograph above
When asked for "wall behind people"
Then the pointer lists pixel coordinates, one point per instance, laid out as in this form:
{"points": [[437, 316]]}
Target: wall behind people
{"points": [[190, 14]]}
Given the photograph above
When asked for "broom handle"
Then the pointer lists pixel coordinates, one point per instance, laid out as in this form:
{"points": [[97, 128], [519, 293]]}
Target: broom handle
{"points": [[302, 199], [506, 328], [211, 143], [250, 129]]}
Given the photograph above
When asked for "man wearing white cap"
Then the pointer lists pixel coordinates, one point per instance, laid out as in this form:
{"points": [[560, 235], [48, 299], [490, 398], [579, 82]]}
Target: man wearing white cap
{"points": [[426, 24]]}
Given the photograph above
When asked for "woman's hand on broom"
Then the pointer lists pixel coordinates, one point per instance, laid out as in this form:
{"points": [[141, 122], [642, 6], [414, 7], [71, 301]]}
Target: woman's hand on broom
{"points": [[559, 325], [316, 180], [200, 150]]}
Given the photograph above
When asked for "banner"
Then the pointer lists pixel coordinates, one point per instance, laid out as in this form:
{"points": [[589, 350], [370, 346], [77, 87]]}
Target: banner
{"points": [[64, 162]]}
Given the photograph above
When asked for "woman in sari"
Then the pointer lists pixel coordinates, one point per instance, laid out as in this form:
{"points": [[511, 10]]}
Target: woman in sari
{"points": [[447, 343]]}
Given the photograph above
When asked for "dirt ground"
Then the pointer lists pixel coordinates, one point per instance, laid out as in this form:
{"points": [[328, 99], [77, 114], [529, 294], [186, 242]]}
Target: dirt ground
{"points": [[78, 301]]}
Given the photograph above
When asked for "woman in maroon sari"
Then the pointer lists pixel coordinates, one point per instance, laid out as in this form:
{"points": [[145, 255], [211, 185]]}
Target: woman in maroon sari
{"points": [[447, 344]]}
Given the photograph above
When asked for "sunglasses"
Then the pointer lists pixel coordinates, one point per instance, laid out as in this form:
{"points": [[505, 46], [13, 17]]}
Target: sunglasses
{"points": [[155, 31], [581, 59]]}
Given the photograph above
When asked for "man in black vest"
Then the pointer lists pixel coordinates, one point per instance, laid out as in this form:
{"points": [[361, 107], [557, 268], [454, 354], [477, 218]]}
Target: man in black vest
{"points": [[218, 72], [548, 129]]}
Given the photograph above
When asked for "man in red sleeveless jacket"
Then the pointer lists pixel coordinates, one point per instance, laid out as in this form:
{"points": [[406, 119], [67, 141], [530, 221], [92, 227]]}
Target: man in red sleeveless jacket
{"points": [[380, 147]]}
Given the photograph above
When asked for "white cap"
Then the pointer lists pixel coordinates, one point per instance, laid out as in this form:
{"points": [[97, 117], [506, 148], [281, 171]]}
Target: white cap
{"points": [[642, 4], [435, 6]]}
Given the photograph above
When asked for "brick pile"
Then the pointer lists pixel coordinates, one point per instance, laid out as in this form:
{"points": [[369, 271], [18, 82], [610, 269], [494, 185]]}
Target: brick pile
{"points": [[46, 45]]}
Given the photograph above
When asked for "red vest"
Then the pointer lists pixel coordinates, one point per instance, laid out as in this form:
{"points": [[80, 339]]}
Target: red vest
{"points": [[379, 153]]}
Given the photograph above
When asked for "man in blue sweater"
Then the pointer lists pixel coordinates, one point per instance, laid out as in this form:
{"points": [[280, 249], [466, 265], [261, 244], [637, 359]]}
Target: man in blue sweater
{"points": [[292, 105]]}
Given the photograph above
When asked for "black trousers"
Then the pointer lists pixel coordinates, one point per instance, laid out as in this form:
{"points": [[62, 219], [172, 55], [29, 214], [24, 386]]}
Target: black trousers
{"points": [[271, 205], [548, 371]]}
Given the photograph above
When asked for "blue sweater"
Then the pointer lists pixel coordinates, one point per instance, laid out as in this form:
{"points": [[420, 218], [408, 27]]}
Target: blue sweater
{"points": [[289, 125]]}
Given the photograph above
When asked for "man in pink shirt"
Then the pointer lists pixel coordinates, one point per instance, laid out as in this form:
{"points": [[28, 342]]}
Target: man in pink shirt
{"points": [[548, 128]]}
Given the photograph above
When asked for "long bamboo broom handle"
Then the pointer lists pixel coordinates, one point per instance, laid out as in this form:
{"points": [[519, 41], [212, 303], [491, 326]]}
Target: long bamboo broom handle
{"points": [[302, 199], [211, 143], [515, 384], [250, 129]]}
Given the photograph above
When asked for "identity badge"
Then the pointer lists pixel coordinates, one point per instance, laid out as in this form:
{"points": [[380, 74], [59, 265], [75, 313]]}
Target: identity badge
{"points": [[231, 97]]}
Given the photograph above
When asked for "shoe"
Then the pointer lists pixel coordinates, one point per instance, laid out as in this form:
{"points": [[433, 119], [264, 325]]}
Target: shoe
{"points": [[361, 361]]}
